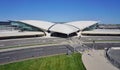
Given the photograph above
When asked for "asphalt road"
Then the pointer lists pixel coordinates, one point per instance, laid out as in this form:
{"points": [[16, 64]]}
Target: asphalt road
{"points": [[99, 46], [15, 55], [113, 41], [31, 41], [89, 38]]}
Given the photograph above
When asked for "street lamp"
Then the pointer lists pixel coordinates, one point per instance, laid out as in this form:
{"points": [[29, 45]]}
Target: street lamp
{"points": [[93, 44]]}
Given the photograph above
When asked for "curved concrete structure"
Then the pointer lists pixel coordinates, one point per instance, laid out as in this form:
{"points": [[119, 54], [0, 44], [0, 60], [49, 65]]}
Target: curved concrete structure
{"points": [[69, 29], [82, 24], [113, 56], [63, 28], [39, 24]]}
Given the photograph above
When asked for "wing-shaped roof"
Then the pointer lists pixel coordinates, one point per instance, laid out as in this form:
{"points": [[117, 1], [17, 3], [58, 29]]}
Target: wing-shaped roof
{"points": [[40, 24], [82, 24], [66, 28], [63, 28]]}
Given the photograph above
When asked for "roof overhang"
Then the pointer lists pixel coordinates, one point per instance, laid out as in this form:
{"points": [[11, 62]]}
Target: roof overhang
{"points": [[82, 24], [39, 24], [63, 28]]}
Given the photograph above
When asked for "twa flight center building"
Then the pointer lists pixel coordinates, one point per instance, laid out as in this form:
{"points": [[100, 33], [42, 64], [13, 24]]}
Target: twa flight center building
{"points": [[37, 28], [55, 29]]}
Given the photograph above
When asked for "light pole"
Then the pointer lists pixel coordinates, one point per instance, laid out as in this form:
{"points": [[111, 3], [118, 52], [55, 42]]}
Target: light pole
{"points": [[93, 44]]}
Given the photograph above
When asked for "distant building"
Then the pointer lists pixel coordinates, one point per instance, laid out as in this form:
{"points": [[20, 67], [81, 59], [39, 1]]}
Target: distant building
{"points": [[109, 26], [4, 23]]}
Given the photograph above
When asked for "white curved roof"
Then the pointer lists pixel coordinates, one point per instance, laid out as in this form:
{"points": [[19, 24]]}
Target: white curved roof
{"points": [[40, 24], [63, 28], [82, 24], [66, 28]]}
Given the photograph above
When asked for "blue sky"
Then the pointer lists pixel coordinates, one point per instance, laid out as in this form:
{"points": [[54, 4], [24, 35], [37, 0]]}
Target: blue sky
{"points": [[105, 11]]}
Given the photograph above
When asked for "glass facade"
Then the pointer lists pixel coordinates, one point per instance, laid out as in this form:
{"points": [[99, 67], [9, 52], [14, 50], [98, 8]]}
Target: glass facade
{"points": [[24, 27], [95, 26], [6, 27]]}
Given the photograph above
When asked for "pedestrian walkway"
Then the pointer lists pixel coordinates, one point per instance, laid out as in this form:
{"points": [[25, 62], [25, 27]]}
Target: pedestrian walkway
{"points": [[95, 60]]}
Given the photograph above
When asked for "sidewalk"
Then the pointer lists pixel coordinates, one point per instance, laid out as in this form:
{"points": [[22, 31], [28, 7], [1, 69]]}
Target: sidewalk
{"points": [[95, 60]]}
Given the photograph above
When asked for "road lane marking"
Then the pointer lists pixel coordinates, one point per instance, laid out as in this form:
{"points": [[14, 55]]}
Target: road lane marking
{"points": [[4, 58]]}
